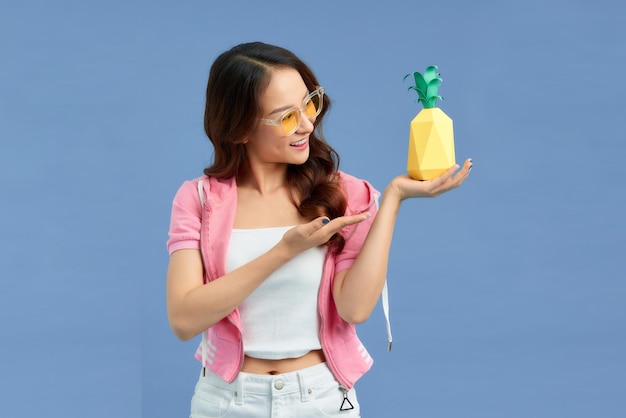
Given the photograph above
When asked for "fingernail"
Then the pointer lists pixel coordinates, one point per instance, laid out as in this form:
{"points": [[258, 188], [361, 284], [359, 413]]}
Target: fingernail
{"points": [[367, 216], [325, 220]]}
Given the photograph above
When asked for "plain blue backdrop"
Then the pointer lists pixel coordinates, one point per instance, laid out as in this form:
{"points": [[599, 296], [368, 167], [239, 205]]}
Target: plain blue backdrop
{"points": [[507, 295]]}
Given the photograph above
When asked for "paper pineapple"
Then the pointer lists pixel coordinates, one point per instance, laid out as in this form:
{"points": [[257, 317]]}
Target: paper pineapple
{"points": [[431, 140]]}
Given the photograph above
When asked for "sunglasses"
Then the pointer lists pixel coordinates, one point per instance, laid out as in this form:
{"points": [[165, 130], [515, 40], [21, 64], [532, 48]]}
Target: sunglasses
{"points": [[289, 120]]}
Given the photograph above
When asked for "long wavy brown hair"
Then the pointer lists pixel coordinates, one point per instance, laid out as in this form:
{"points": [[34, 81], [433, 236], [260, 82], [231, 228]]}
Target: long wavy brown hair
{"points": [[237, 79]]}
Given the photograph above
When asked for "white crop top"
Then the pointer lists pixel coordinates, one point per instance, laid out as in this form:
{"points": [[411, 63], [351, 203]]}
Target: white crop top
{"points": [[280, 318]]}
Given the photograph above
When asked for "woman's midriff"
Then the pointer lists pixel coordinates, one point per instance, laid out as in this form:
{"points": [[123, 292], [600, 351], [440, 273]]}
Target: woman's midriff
{"points": [[264, 366]]}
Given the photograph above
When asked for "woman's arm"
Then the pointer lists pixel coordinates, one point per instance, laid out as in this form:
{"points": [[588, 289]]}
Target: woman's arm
{"points": [[356, 290], [193, 307]]}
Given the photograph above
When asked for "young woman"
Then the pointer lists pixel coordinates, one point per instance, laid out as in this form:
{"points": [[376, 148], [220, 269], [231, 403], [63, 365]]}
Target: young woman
{"points": [[275, 254]]}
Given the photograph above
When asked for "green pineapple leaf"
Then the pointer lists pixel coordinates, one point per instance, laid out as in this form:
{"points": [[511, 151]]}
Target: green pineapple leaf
{"points": [[431, 74], [420, 84], [433, 88], [426, 86]]}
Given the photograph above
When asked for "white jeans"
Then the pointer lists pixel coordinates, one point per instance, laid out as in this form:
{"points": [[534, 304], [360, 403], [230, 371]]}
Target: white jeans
{"points": [[311, 392]]}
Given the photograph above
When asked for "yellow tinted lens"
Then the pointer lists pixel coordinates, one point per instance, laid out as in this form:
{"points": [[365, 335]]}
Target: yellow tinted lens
{"points": [[311, 108], [289, 122]]}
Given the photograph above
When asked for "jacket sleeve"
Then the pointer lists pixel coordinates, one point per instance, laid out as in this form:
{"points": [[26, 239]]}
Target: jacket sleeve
{"points": [[186, 218], [362, 197]]}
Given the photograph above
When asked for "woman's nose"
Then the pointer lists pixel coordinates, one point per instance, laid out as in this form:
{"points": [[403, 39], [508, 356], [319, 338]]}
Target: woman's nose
{"points": [[306, 124]]}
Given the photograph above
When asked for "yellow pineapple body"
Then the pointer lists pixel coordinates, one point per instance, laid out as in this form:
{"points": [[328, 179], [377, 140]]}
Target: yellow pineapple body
{"points": [[431, 144]]}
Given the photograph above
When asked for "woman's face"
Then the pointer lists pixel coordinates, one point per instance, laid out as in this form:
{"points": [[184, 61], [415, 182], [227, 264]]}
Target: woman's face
{"points": [[268, 144]]}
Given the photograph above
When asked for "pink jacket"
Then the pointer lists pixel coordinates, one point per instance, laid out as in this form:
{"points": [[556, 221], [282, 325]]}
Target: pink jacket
{"points": [[221, 349]]}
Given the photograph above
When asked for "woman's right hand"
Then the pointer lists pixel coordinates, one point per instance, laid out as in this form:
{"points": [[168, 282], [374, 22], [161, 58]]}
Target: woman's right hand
{"points": [[317, 232], [404, 187]]}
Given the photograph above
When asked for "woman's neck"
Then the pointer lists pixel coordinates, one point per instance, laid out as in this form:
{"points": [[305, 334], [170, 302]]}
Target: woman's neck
{"points": [[266, 180]]}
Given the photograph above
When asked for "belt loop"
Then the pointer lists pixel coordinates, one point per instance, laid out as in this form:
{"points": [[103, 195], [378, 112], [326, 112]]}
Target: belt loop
{"points": [[239, 383], [305, 392]]}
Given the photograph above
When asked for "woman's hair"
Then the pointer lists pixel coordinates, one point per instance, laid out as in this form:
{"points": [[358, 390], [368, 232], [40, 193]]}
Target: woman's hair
{"points": [[237, 80]]}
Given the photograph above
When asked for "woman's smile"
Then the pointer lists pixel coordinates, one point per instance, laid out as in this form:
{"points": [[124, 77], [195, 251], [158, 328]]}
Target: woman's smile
{"points": [[303, 143]]}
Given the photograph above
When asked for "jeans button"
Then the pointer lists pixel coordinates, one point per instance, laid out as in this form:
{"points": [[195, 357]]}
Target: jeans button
{"points": [[279, 384]]}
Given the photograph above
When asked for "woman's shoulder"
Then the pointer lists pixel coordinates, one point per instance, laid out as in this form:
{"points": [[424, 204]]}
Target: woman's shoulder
{"points": [[187, 198], [358, 191], [189, 188], [201, 186], [350, 181]]}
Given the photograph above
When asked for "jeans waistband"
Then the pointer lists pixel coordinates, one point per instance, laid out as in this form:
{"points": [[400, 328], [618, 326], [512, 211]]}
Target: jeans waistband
{"points": [[274, 385]]}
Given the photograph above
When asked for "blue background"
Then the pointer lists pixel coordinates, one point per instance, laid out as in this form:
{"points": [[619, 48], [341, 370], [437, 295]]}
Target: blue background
{"points": [[507, 294]]}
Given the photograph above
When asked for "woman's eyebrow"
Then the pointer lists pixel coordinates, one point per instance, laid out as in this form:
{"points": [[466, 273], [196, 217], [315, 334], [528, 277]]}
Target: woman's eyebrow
{"points": [[283, 108]]}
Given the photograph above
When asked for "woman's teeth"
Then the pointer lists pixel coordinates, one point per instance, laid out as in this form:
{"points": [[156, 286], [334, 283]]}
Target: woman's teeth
{"points": [[297, 144]]}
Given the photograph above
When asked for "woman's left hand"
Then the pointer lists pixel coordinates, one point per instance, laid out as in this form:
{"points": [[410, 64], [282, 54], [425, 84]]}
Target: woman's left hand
{"points": [[406, 187]]}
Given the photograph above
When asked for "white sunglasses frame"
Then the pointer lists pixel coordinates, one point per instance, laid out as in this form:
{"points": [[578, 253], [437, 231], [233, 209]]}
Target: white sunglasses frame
{"points": [[278, 120]]}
